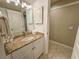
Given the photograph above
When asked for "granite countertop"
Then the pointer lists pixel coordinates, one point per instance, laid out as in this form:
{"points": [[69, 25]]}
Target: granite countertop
{"points": [[21, 42]]}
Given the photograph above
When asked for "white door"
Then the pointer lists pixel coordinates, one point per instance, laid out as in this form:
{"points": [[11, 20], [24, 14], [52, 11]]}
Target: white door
{"points": [[38, 48], [75, 54]]}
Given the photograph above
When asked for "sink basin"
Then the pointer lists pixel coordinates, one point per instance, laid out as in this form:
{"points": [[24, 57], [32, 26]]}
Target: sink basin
{"points": [[27, 38]]}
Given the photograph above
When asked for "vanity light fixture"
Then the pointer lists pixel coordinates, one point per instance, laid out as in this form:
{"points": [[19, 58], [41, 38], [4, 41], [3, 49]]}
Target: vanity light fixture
{"points": [[18, 2]]}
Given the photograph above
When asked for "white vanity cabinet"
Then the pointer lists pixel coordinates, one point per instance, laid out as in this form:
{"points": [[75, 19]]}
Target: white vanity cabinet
{"points": [[30, 51]]}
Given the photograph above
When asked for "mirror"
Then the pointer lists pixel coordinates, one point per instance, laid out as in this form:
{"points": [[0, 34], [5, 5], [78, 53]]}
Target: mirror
{"points": [[20, 20], [28, 19]]}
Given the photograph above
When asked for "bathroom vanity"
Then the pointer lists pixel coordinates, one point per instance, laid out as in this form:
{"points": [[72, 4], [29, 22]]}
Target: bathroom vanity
{"points": [[26, 47], [20, 42]]}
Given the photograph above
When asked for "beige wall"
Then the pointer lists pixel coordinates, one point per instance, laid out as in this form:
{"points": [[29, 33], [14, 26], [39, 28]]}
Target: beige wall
{"points": [[61, 20]]}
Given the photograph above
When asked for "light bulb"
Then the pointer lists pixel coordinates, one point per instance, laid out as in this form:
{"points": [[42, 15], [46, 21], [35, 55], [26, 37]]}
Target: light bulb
{"points": [[16, 4], [8, 1], [29, 6], [25, 4], [18, 1], [0, 13], [22, 6]]}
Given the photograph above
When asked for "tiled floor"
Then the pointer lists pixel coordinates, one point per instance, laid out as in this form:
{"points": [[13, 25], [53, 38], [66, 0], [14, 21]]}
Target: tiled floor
{"points": [[57, 52]]}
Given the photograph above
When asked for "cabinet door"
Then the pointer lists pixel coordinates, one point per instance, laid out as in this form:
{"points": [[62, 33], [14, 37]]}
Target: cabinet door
{"points": [[23, 53], [38, 48]]}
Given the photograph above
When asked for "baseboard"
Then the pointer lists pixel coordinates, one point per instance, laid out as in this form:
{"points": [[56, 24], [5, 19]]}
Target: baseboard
{"points": [[51, 41]]}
